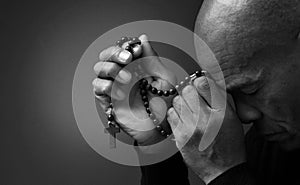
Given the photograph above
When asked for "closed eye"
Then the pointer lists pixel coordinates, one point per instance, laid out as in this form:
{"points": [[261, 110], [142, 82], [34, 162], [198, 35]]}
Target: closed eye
{"points": [[249, 89]]}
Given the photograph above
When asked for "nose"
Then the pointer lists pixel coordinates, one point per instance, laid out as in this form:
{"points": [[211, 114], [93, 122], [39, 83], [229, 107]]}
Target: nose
{"points": [[247, 113]]}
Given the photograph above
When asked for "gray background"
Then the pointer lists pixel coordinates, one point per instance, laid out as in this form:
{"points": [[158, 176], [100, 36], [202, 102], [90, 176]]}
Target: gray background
{"points": [[41, 44]]}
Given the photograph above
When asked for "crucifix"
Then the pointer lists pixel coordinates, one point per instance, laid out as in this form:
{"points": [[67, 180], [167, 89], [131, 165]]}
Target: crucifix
{"points": [[112, 130]]}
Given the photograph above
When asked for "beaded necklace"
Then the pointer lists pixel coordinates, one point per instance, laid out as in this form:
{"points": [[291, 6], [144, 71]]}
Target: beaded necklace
{"points": [[145, 87]]}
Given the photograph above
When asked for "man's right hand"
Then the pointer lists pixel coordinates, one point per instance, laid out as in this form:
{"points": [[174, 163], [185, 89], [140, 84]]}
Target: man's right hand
{"points": [[113, 78]]}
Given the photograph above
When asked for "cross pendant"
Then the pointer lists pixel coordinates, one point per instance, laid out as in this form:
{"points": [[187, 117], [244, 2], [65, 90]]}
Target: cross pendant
{"points": [[112, 130]]}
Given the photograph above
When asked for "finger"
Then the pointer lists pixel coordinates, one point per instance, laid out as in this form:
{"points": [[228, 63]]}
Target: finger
{"points": [[147, 48], [207, 88], [203, 88], [104, 101], [177, 104], [191, 97], [178, 128], [175, 123], [173, 118], [196, 103], [116, 54], [104, 87], [113, 70], [200, 109], [183, 111], [186, 114]]}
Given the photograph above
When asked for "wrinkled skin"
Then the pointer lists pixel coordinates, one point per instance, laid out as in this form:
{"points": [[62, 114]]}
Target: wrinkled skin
{"points": [[257, 46], [113, 82], [227, 148]]}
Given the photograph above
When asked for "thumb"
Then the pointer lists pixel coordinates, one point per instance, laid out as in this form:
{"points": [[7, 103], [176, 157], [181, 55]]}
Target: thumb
{"points": [[152, 64], [147, 49]]}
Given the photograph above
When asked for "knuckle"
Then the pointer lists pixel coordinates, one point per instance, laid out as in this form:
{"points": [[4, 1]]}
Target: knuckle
{"points": [[182, 137], [203, 83], [108, 69], [111, 69], [105, 88], [102, 86]]}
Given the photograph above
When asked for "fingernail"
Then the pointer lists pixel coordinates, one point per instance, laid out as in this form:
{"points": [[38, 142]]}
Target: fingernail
{"points": [[120, 94], [124, 56], [124, 76]]}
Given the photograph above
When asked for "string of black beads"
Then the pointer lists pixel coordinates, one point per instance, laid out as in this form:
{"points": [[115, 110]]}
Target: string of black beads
{"points": [[110, 116], [131, 43], [145, 87]]}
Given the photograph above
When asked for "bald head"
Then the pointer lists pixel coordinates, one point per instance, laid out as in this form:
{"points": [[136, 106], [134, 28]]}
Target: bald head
{"points": [[236, 29], [257, 46]]}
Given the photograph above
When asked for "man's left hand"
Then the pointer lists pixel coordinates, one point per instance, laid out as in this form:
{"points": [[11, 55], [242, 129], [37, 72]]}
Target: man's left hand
{"points": [[190, 117]]}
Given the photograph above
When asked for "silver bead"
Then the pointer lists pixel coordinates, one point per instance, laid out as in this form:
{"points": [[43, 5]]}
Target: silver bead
{"points": [[155, 121], [176, 86], [182, 82], [109, 110]]}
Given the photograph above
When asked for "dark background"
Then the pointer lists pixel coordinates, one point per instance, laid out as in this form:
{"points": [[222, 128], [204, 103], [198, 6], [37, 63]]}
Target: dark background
{"points": [[41, 45]]}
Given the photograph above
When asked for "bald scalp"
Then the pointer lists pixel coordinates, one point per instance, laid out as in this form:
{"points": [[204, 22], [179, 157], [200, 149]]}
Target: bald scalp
{"points": [[236, 29]]}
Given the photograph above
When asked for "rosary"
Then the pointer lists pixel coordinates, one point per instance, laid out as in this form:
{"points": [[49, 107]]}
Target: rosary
{"points": [[145, 87]]}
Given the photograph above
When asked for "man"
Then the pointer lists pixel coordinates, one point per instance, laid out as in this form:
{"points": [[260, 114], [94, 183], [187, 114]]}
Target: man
{"points": [[257, 46]]}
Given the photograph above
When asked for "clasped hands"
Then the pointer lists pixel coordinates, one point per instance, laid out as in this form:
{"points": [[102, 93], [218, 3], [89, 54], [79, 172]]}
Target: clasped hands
{"points": [[183, 112]]}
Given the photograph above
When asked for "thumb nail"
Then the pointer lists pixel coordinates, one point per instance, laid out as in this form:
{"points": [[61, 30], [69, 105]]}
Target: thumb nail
{"points": [[124, 56], [124, 76], [120, 94]]}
